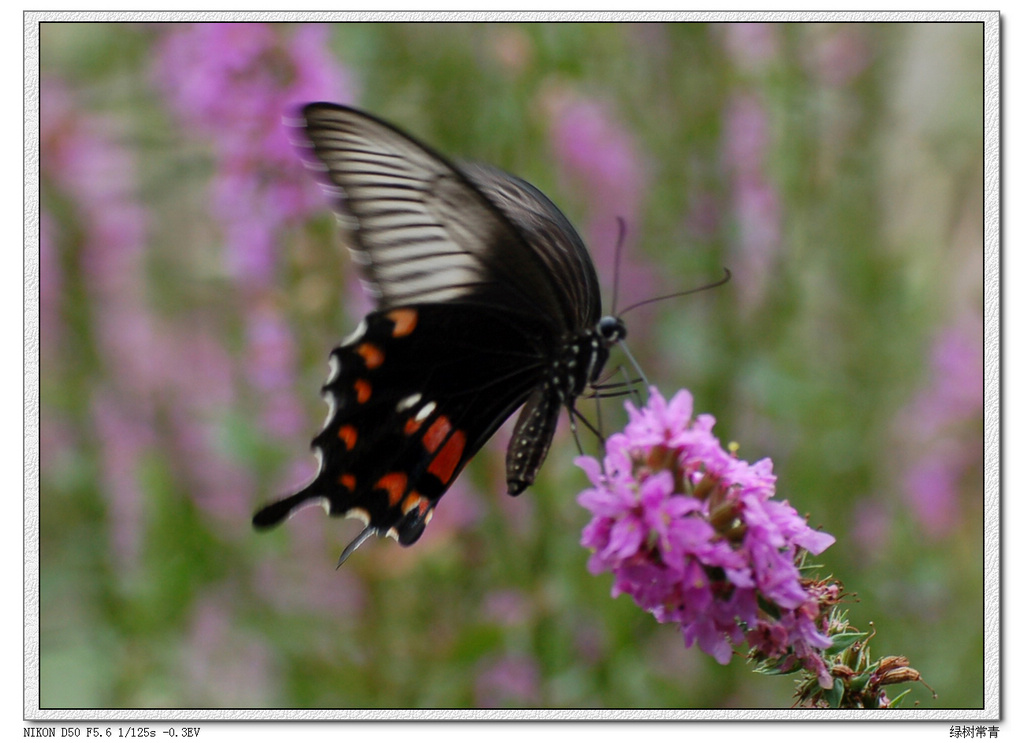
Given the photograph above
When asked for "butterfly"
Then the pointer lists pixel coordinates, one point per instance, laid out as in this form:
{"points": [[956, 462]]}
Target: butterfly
{"points": [[486, 301]]}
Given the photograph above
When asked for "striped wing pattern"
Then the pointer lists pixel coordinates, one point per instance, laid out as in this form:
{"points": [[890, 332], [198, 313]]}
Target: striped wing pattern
{"points": [[418, 226]]}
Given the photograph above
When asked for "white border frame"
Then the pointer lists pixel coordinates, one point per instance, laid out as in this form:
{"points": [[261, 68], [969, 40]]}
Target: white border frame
{"points": [[992, 360]]}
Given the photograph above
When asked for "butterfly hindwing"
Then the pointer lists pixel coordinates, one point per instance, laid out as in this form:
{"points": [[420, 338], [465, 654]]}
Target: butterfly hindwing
{"points": [[412, 397]]}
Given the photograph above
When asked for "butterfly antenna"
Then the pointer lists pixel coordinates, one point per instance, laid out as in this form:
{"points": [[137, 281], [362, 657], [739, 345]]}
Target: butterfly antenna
{"points": [[712, 285], [618, 262], [354, 544]]}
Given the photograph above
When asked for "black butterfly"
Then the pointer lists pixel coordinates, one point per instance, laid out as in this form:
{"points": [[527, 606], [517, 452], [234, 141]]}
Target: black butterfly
{"points": [[486, 300]]}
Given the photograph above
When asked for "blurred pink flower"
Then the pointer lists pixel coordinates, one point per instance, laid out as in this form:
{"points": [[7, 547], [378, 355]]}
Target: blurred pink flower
{"points": [[50, 285], [506, 607], [703, 218], [82, 156], [235, 84], [758, 214], [508, 681], [945, 421], [124, 440], [599, 156], [755, 202], [222, 487], [932, 484], [246, 75], [750, 46], [270, 367], [302, 583], [159, 363], [746, 136], [872, 526], [225, 665], [836, 54], [957, 378]]}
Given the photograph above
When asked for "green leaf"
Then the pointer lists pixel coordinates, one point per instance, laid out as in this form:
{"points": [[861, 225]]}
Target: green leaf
{"points": [[844, 640], [834, 696]]}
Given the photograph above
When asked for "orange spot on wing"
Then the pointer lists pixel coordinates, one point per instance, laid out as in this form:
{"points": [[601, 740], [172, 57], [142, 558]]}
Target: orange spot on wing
{"points": [[349, 481], [412, 426], [363, 390], [404, 320], [415, 500], [437, 433], [371, 354], [348, 435], [444, 464], [394, 484]]}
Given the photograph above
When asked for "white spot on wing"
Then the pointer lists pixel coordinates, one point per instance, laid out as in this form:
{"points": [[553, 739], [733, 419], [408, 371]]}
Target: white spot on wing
{"points": [[355, 334], [358, 513], [332, 406], [425, 412], [335, 367], [322, 502], [407, 402]]}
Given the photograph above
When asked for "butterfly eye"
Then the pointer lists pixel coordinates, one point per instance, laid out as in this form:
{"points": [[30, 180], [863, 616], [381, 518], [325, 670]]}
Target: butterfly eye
{"points": [[611, 329]]}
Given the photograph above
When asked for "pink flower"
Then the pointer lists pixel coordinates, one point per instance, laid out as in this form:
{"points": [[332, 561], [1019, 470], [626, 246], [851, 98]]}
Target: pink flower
{"points": [[695, 536]]}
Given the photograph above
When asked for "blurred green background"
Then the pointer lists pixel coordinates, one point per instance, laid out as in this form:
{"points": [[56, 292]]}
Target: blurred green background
{"points": [[192, 285]]}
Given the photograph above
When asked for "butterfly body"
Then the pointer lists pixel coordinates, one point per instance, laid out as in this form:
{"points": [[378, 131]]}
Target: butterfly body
{"points": [[486, 301]]}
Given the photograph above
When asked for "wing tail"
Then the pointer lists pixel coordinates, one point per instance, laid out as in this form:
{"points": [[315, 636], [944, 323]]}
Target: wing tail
{"points": [[274, 513]]}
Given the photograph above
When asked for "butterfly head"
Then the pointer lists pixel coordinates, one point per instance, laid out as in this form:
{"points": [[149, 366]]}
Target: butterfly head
{"points": [[592, 351], [611, 330]]}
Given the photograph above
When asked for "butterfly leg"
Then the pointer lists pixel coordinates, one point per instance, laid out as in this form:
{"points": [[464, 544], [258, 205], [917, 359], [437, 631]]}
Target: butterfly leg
{"points": [[572, 427], [573, 414]]}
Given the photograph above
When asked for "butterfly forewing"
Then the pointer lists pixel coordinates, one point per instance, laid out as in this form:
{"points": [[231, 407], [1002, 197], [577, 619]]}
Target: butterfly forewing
{"points": [[423, 231], [551, 237]]}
